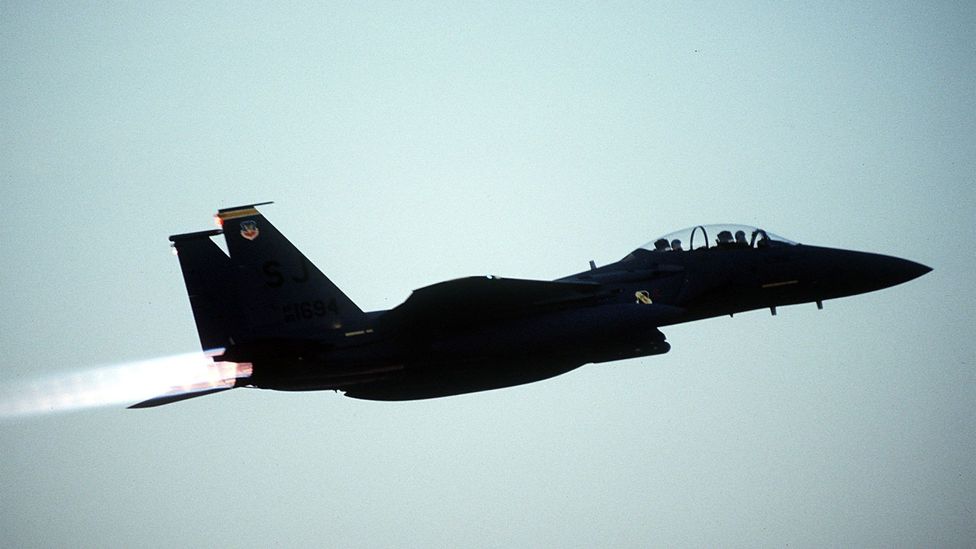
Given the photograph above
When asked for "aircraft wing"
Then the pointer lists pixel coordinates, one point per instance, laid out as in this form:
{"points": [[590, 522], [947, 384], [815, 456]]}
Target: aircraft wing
{"points": [[479, 298]]}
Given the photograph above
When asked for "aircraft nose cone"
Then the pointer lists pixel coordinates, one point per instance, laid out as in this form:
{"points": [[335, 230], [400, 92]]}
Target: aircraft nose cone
{"points": [[909, 270], [875, 271]]}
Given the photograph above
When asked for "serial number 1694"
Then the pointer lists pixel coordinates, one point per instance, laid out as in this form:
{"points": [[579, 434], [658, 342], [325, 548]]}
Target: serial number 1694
{"points": [[306, 310]]}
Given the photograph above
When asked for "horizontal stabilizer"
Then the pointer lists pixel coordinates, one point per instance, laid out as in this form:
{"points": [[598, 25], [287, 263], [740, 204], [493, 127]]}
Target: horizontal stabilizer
{"points": [[176, 397], [479, 298]]}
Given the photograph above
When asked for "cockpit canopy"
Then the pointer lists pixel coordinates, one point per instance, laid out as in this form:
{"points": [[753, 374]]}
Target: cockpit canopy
{"points": [[716, 236]]}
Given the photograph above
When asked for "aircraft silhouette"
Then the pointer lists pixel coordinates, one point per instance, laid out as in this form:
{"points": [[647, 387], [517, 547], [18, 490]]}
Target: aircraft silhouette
{"points": [[284, 325]]}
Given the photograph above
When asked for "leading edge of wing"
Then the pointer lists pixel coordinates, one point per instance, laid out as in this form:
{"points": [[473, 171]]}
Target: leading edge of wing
{"points": [[477, 298]]}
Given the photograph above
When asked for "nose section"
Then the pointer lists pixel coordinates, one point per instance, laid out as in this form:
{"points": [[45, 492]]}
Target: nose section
{"points": [[863, 272], [909, 270], [887, 271]]}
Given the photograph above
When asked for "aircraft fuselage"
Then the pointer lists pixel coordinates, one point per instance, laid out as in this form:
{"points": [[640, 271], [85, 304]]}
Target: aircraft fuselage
{"points": [[620, 320]]}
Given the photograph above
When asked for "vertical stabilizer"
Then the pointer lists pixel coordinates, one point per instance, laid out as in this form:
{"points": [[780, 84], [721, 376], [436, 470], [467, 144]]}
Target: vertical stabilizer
{"points": [[280, 292], [208, 275]]}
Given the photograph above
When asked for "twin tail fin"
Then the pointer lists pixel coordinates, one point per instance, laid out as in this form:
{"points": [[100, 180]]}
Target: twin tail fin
{"points": [[264, 289]]}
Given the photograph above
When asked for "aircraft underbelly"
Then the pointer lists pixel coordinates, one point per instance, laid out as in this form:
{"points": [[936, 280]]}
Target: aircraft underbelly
{"points": [[523, 351], [479, 357], [438, 380]]}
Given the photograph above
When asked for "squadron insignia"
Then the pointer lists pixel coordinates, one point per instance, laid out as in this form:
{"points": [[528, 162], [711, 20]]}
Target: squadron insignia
{"points": [[249, 229]]}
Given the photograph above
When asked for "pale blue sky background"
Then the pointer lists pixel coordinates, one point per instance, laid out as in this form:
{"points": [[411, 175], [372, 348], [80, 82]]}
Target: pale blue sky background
{"points": [[406, 144]]}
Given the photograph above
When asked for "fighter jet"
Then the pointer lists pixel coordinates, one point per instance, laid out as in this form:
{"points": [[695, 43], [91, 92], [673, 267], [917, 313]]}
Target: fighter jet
{"points": [[264, 308]]}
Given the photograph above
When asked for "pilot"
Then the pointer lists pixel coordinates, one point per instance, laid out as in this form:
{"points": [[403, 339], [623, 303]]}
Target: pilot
{"points": [[676, 245], [661, 245], [763, 239], [724, 238], [740, 239]]}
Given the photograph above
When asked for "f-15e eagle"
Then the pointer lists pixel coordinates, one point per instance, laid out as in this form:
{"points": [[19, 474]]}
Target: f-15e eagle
{"points": [[267, 310]]}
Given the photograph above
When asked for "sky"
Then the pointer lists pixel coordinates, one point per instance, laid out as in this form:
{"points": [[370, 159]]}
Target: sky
{"points": [[408, 143]]}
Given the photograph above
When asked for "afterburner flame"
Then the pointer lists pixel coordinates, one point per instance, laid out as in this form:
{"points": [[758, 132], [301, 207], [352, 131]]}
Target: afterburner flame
{"points": [[120, 384]]}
